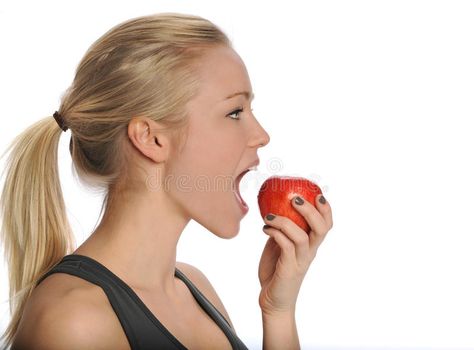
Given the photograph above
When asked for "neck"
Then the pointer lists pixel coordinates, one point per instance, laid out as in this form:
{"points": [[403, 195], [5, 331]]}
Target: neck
{"points": [[137, 241]]}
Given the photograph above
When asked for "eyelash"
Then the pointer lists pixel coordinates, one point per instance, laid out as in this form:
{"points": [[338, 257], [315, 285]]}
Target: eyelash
{"points": [[237, 111]]}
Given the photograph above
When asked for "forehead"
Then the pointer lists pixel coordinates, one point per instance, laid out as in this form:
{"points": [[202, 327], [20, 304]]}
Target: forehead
{"points": [[222, 72]]}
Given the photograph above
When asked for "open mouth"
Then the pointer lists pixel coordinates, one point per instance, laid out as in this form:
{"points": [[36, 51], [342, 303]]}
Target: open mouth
{"points": [[237, 189]]}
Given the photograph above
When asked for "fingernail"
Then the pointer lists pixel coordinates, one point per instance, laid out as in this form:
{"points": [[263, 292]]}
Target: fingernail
{"points": [[322, 200], [266, 226], [299, 200], [270, 217]]}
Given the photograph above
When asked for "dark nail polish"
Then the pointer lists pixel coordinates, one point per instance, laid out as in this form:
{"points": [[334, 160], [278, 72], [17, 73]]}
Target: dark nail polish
{"points": [[322, 200], [266, 226], [299, 200], [270, 217]]}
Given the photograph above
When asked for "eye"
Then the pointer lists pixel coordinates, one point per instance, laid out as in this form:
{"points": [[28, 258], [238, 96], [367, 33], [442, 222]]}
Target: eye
{"points": [[236, 113]]}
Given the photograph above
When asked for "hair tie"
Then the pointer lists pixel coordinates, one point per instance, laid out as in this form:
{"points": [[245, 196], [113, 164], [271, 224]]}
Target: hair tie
{"points": [[60, 120]]}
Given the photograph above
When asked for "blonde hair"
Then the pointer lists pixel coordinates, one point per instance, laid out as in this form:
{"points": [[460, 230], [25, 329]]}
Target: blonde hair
{"points": [[142, 67]]}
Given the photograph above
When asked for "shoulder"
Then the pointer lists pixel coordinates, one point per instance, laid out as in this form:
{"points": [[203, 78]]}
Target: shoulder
{"points": [[204, 285], [66, 312]]}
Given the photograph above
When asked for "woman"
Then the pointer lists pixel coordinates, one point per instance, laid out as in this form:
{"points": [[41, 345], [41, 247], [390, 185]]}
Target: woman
{"points": [[158, 103]]}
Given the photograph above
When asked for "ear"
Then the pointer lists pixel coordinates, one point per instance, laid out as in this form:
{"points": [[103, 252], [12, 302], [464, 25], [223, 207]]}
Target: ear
{"points": [[150, 139]]}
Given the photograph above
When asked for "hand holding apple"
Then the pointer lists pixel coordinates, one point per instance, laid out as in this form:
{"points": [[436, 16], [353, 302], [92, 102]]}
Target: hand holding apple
{"points": [[296, 229]]}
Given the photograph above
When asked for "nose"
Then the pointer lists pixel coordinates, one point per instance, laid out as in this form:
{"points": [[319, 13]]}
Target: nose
{"points": [[261, 137], [265, 138]]}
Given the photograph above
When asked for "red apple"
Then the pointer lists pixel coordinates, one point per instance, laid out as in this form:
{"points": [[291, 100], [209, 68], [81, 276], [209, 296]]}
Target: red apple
{"points": [[276, 193]]}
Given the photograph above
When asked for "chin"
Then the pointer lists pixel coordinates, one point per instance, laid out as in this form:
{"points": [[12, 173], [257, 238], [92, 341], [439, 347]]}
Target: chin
{"points": [[231, 233], [221, 222], [225, 230]]}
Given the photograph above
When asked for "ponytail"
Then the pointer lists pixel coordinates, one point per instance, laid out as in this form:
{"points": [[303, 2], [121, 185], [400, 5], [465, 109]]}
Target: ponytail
{"points": [[35, 231]]}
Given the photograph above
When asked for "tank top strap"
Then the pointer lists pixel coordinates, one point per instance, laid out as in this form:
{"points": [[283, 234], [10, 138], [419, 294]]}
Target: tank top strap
{"points": [[213, 312]]}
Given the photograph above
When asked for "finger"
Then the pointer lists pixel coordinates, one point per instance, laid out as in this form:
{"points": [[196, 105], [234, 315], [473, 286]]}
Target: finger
{"points": [[287, 247], [325, 209], [315, 219], [292, 231]]}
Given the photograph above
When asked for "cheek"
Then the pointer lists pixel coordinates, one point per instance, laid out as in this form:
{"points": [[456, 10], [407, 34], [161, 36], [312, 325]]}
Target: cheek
{"points": [[209, 201], [207, 198], [202, 180], [213, 149]]}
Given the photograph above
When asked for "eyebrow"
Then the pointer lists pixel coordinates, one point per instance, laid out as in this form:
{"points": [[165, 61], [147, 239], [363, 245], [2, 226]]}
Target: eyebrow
{"points": [[247, 95]]}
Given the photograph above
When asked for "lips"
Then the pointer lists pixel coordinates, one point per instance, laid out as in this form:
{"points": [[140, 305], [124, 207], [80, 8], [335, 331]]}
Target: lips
{"points": [[237, 180], [253, 164]]}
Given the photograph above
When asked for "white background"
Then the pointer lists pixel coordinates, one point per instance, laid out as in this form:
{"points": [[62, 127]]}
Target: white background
{"points": [[371, 99]]}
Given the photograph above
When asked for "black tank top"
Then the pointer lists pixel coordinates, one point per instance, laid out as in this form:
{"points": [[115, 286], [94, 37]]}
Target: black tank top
{"points": [[143, 330]]}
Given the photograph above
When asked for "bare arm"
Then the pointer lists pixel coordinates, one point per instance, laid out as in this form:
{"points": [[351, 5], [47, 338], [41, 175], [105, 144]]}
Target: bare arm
{"points": [[285, 260], [280, 332]]}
